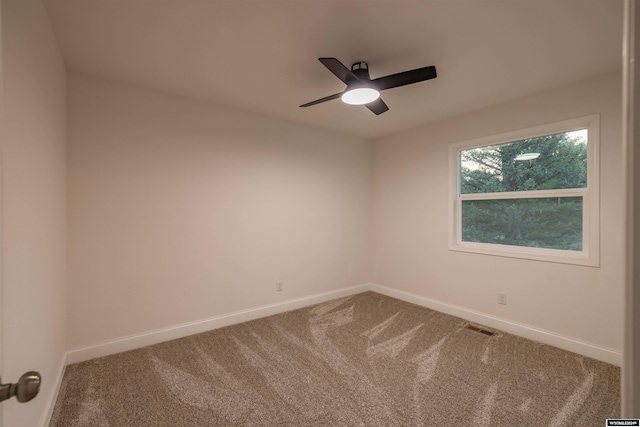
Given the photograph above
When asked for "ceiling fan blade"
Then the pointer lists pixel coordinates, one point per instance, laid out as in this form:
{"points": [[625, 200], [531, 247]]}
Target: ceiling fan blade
{"points": [[406, 78], [338, 69], [377, 107], [325, 99]]}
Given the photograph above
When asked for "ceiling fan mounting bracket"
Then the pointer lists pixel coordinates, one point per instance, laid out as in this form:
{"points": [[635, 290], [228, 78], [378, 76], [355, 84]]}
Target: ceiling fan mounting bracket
{"points": [[359, 65]]}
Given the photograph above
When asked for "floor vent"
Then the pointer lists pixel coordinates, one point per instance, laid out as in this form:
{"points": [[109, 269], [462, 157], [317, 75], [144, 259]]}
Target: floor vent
{"points": [[478, 329]]}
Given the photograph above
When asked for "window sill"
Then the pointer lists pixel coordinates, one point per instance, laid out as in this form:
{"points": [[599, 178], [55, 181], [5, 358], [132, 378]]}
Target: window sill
{"points": [[532, 254]]}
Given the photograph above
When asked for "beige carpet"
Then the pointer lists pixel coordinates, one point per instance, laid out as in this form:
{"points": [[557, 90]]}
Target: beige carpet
{"points": [[365, 360]]}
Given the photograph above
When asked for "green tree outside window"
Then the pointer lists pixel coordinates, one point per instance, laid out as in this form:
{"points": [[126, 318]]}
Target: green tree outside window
{"points": [[544, 222]]}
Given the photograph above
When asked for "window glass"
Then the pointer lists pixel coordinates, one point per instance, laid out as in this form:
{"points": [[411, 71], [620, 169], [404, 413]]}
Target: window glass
{"points": [[550, 222], [544, 163]]}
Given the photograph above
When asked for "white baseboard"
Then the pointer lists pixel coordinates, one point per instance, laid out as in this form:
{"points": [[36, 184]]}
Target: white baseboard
{"points": [[166, 334], [45, 419], [566, 343]]}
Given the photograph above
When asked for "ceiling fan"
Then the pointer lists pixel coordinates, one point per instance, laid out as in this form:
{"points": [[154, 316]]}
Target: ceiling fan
{"points": [[361, 90]]}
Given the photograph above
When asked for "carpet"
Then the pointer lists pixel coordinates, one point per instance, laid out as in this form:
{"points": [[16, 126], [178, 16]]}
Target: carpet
{"points": [[363, 360]]}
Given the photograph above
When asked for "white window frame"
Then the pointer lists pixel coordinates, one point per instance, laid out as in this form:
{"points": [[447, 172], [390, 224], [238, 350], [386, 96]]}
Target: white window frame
{"points": [[590, 254]]}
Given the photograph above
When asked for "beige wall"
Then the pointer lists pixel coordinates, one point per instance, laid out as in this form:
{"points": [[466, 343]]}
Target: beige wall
{"points": [[34, 205], [410, 222], [180, 210]]}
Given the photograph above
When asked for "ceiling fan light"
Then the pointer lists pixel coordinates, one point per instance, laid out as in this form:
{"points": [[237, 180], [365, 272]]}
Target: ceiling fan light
{"points": [[360, 96]]}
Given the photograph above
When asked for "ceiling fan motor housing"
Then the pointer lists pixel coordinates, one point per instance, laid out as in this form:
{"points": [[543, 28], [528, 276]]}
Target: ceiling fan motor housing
{"points": [[361, 70]]}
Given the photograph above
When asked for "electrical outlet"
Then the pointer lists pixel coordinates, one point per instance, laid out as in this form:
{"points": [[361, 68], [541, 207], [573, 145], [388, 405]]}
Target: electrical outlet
{"points": [[502, 298], [278, 286]]}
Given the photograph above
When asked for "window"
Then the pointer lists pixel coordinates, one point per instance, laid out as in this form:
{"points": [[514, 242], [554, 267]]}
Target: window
{"points": [[531, 193]]}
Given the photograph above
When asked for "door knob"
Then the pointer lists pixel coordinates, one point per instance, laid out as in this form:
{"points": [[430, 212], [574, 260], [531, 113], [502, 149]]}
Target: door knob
{"points": [[24, 390]]}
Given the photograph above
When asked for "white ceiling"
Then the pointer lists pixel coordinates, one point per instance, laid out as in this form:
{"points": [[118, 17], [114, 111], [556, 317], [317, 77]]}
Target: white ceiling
{"points": [[261, 55]]}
